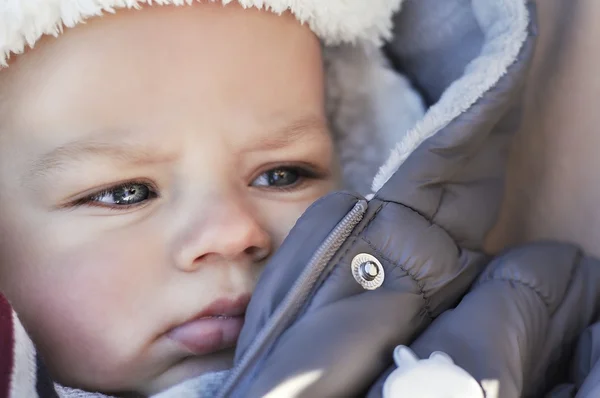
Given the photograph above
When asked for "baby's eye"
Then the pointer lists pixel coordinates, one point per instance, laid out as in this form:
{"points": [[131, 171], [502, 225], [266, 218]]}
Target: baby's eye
{"points": [[125, 195], [282, 177]]}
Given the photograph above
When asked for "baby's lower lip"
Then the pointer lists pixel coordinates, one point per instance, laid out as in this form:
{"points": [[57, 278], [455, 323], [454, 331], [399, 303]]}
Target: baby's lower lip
{"points": [[208, 335]]}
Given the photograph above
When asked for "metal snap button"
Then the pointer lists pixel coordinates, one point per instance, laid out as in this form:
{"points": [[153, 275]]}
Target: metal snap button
{"points": [[367, 271]]}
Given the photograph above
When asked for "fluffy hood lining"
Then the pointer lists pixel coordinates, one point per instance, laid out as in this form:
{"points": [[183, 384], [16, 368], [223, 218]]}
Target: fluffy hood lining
{"points": [[505, 26]]}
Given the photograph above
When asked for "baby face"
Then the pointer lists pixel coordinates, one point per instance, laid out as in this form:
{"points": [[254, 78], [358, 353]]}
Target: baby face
{"points": [[150, 164]]}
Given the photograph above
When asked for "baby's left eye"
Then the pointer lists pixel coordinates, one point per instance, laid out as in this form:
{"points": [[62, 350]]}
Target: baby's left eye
{"points": [[120, 197], [281, 177], [124, 195]]}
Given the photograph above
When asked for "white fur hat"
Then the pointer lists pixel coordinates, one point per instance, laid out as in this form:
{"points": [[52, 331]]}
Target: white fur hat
{"points": [[24, 22]]}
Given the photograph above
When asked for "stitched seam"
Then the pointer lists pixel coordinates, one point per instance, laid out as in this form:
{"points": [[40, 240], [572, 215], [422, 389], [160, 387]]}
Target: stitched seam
{"points": [[420, 285], [439, 206], [430, 221], [546, 300], [542, 297], [368, 223]]}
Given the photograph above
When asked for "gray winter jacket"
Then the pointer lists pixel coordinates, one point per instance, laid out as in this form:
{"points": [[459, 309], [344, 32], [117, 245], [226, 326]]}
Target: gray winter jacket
{"points": [[358, 276], [317, 327], [584, 372]]}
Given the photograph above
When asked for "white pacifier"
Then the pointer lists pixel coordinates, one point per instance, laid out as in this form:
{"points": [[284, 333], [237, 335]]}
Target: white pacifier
{"points": [[434, 377]]}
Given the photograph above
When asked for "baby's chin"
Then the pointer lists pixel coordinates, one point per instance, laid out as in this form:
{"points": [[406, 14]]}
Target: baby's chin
{"points": [[189, 368]]}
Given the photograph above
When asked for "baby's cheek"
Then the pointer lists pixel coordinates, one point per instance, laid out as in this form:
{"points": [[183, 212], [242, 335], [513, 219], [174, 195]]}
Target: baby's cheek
{"points": [[87, 315]]}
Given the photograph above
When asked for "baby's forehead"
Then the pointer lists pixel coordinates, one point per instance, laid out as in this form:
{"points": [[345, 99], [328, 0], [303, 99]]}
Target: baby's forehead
{"points": [[182, 53], [21, 69]]}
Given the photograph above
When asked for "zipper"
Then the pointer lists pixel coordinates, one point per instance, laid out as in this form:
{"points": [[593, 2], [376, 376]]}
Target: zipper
{"points": [[299, 293]]}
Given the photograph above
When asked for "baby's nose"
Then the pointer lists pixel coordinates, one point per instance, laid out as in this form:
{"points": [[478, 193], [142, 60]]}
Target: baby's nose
{"points": [[229, 232]]}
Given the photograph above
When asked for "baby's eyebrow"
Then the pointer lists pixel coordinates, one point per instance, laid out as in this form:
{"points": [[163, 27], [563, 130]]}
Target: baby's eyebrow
{"points": [[77, 150], [293, 131]]}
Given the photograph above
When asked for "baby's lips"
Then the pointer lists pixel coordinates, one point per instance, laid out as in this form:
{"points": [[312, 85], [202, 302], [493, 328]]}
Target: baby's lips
{"points": [[208, 335]]}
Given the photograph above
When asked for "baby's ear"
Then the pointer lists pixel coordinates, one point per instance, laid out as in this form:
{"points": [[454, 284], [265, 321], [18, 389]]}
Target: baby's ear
{"points": [[405, 357]]}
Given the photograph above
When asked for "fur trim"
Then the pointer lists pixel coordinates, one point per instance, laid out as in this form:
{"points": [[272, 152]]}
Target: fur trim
{"points": [[24, 375], [370, 108], [24, 22]]}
